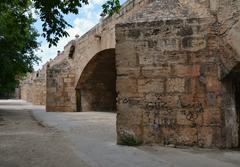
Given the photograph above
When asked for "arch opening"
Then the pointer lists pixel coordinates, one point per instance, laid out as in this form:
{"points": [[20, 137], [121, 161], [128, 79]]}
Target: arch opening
{"points": [[231, 107], [96, 88]]}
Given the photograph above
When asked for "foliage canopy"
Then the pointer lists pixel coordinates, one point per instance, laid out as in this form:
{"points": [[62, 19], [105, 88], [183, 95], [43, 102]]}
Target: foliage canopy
{"points": [[52, 15], [17, 42], [18, 38]]}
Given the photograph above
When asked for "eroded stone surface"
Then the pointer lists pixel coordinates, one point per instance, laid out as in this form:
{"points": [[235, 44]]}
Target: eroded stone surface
{"points": [[193, 107]]}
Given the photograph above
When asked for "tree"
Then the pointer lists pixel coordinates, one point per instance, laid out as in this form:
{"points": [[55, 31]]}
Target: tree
{"points": [[52, 15], [17, 43], [18, 38]]}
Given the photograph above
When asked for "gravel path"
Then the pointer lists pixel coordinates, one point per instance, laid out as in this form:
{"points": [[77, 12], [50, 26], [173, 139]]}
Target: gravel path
{"points": [[24, 142], [31, 137]]}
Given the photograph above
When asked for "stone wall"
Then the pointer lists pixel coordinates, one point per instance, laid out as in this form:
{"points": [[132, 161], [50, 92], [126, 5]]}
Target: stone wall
{"points": [[64, 73], [168, 78], [60, 79], [60, 88], [33, 88]]}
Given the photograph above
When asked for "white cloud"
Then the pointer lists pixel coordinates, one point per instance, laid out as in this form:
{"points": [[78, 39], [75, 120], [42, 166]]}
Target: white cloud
{"points": [[88, 17], [83, 24], [98, 2]]}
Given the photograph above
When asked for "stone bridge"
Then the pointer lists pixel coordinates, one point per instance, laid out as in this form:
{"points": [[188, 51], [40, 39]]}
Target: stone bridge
{"points": [[170, 68]]}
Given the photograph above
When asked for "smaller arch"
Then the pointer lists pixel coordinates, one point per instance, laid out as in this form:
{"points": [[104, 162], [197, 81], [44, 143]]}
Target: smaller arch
{"points": [[229, 61], [71, 52], [37, 74], [231, 106], [233, 73], [96, 88]]}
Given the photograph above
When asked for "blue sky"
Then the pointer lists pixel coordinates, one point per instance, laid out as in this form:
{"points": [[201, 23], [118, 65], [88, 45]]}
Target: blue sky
{"points": [[88, 17]]}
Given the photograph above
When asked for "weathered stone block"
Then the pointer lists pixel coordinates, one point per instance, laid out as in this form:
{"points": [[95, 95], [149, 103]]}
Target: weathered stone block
{"points": [[193, 43], [211, 118], [212, 84], [162, 70], [184, 119], [168, 44], [128, 71], [128, 55], [205, 136], [182, 70], [187, 136], [175, 85], [126, 86], [151, 85], [145, 59]]}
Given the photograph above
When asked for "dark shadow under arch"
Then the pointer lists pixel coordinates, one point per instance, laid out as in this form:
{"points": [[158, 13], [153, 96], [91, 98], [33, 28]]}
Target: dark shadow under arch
{"points": [[231, 107], [96, 88]]}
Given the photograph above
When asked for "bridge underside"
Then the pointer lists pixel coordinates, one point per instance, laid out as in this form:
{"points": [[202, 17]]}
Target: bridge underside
{"points": [[96, 88]]}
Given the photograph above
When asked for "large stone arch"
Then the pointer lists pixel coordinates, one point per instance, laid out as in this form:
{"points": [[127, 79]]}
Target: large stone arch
{"points": [[96, 87]]}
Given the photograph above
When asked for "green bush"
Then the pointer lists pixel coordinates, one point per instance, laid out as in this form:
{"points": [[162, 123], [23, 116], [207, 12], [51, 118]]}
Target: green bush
{"points": [[129, 140]]}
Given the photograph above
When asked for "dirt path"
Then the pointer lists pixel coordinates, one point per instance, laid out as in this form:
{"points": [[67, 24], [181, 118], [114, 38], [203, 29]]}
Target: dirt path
{"points": [[24, 142], [64, 139]]}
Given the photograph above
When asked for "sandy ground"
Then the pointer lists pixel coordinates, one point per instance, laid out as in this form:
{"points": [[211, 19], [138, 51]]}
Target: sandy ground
{"points": [[24, 142], [65, 139]]}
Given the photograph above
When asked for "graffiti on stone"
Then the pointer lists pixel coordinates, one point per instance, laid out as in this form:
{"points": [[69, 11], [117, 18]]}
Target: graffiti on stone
{"points": [[126, 100], [163, 122], [159, 120], [160, 106], [192, 111], [160, 114]]}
